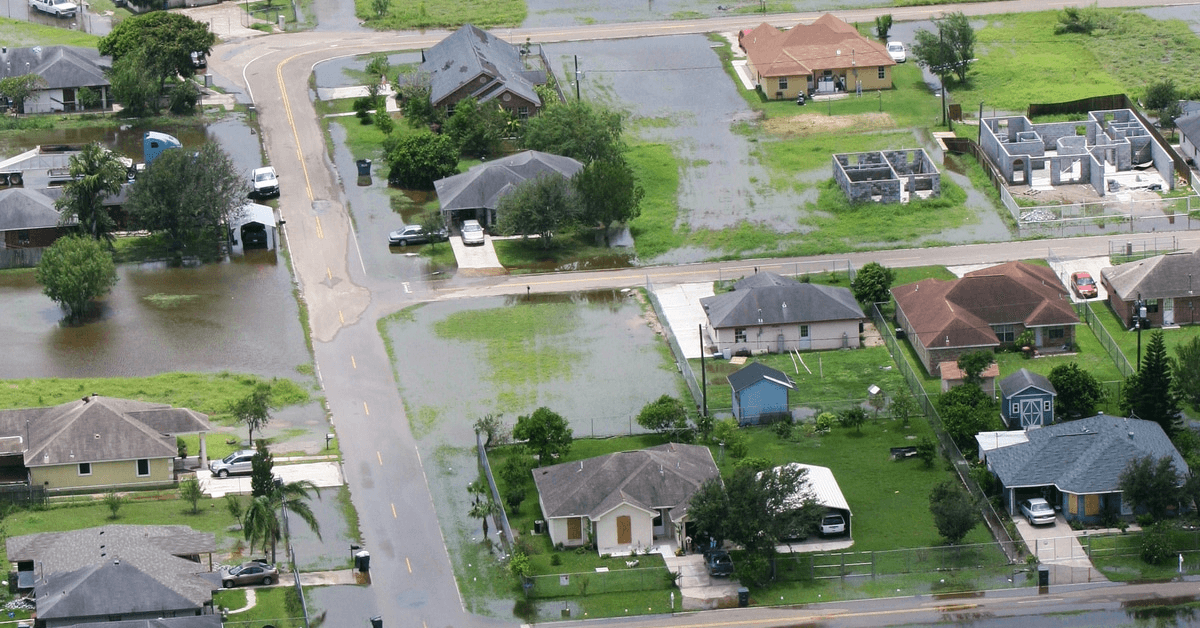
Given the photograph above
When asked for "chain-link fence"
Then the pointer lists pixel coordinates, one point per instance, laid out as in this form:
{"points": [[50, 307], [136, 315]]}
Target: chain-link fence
{"points": [[1089, 316], [1124, 251], [616, 581], [805, 566]]}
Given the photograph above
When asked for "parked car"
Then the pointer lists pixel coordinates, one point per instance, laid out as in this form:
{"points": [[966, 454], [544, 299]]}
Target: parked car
{"points": [[718, 563], [1083, 284], [265, 182], [1037, 511], [833, 524], [199, 60], [253, 572], [895, 50], [472, 233], [416, 234], [57, 8], [235, 463]]}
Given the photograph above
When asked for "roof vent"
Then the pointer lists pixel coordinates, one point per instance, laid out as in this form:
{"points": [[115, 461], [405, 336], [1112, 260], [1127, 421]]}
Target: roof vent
{"points": [[97, 436]]}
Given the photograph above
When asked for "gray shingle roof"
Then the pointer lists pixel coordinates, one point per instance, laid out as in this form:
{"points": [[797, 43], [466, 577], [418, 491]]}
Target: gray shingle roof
{"points": [[665, 476], [470, 53], [769, 299], [484, 185], [108, 588], [154, 550], [757, 371], [1082, 457], [23, 208], [1158, 277], [1024, 379], [187, 621], [1189, 126], [97, 429], [60, 66]]}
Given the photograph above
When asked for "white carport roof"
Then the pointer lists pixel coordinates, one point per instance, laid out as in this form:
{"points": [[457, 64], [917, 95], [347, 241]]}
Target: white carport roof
{"points": [[989, 441], [253, 212], [822, 486]]}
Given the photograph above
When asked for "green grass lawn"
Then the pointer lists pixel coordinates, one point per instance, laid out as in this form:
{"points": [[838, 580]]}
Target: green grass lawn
{"points": [[1134, 51], [838, 378], [19, 33], [441, 14], [273, 606], [1127, 339], [210, 393]]}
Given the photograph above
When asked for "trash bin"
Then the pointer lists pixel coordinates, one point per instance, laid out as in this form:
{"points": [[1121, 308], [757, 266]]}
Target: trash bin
{"points": [[362, 561], [364, 167], [1043, 576], [743, 596], [377, 621], [539, 526]]}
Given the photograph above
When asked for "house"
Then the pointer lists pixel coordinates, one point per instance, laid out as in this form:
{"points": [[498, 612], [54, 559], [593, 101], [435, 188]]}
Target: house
{"points": [[1077, 465], [1167, 284], [769, 313], [826, 56], [1083, 152], [1189, 136], [473, 63], [627, 501], [64, 70], [983, 310], [822, 487], [28, 219], [887, 176], [1027, 400], [953, 376], [474, 194], [119, 573], [760, 394], [96, 442]]}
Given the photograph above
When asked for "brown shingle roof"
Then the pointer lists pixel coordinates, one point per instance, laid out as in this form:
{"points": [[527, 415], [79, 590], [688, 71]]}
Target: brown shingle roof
{"points": [[960, 313], [826, 44]]}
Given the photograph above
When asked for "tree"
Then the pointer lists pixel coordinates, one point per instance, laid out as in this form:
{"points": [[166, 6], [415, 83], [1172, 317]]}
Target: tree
{"points": [[1150, 392], [113, 501], [96, 174], [189, 491], [883, 25], [381, 7], [539, 206], [165, 42], [577, 129], [476, 128], [88, 98], [854, 417], [261, 523], [1078, 392], [235, 507], [1159, 94], [950, 50], [1183, 371], [137, 90], [665, 415], [730, 437], [415, 161], [254, 409], [953, 513], [483, 507], [1153, 485], [546, 433], [188, 195], [966, 410], [413, 94], [904, 407], [607, 192], [262, 471], [378, 67], [492, 426], [973, 365], [75, 270], [872, 283], [17, 89]]}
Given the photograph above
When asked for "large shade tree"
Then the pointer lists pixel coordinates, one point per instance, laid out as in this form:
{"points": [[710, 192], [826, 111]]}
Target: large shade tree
{"points": [[948, 51], [96, 173], [607, 192], [1078, 392], [75, 270], [546, 433], [541, 206], [163, 44], [577, 129], [416, 160]]}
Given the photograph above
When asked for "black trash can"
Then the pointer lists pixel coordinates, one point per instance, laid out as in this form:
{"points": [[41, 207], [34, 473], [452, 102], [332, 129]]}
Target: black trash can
{"points": [[362, 561], [1043, 576], [538, 526], [743, 596], [364, 167], [377, 621]]}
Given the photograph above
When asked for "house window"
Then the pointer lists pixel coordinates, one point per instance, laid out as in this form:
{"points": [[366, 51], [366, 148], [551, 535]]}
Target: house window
{"points": [[1151, 306], [882, 72], [1056, 333], [143, 468], [1005, 333], [523, 112], [85, 468], [783, 83], [1016, 408], [1073, 504], [23, 237], [1046, 406], [739, 334]]}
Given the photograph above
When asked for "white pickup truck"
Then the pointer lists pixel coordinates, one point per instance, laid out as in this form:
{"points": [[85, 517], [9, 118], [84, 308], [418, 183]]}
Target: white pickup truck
{"points": [[57, 8]]}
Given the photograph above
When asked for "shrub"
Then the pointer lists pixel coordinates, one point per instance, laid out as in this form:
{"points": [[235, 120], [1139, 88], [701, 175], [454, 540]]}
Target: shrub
{"points": [[555, 560], [782, 429], [1156, 545], [825, 422]]}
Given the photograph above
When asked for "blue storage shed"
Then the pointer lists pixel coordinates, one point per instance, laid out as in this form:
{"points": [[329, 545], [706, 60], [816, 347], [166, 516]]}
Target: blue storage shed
{"points": [[1027, 400], [759, 392]]}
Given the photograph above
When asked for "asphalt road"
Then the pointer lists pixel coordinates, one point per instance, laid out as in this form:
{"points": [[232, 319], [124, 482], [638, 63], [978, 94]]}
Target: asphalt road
{"points": [[413, 581]]}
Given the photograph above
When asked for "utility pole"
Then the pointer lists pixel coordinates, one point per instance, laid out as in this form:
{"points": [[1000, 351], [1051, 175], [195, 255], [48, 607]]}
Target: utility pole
{"points": [[703, 375], [576, 77], [1139, 307]]}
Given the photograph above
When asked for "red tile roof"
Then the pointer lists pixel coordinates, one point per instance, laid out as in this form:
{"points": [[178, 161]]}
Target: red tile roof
{"points": [[826, 44]]}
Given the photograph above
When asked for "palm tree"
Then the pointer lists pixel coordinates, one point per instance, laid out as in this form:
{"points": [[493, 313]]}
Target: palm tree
{"points": [[482, 509], [262, 524], [96, 173]]}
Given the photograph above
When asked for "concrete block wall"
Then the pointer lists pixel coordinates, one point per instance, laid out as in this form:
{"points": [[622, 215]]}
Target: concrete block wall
{"points": [[886, 174]]}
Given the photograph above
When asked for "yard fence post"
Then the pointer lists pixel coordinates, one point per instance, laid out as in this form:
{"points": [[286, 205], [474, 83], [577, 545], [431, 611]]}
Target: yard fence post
{"points": [[872, 564]]}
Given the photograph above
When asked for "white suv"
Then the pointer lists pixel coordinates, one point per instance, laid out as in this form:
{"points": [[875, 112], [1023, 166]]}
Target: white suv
{"points": [[238, 462]]}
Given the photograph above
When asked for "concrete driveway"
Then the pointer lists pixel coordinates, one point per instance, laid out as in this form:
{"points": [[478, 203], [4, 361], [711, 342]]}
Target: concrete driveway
{"points": [[684, 314], [701, 591], [1058, 547], [476, 259], [322, 474]]}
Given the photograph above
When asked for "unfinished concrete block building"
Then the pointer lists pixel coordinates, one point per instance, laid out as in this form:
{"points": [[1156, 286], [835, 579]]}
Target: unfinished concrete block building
{"points": [[889, 176], [1084, 152]]}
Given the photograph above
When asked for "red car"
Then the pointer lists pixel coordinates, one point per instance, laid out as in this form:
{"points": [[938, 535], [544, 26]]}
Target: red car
{"points": [[1083, 284]]}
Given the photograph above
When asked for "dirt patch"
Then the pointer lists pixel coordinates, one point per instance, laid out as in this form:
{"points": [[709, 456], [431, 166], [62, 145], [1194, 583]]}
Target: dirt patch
{"points": [[814, 123], [648, 313]]}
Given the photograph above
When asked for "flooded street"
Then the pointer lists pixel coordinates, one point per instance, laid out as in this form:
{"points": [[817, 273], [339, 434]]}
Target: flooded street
{"points": [[577, 12]]}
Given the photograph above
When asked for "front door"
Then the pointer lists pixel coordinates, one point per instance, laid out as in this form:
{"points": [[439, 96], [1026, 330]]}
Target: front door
{"points": [[624, 530], [574, 529], [1168, 310]]}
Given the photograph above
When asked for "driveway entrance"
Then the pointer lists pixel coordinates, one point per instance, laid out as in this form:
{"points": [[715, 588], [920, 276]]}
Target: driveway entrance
{"points": [[1058, 548]]}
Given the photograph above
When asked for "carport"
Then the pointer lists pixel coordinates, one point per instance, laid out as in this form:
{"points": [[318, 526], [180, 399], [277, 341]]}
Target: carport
{"points": [[256, 228], [823, 488]]}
